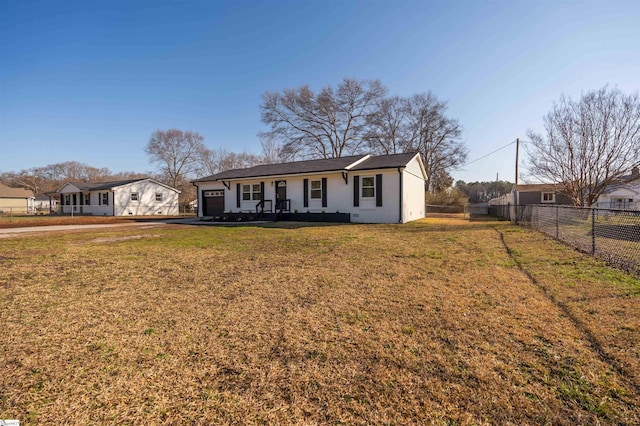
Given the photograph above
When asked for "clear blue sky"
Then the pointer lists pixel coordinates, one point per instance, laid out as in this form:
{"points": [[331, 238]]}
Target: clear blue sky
{"points": [[90, 81]]}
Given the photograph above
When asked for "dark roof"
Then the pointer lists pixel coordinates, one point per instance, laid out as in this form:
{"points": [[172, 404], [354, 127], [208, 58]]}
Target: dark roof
{"points": [[85, 186], [314, 166], [391, 161]]}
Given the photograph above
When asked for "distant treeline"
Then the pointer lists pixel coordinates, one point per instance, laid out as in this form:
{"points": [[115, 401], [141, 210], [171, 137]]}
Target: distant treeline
{"points": [[480, 192], [48, 178]]}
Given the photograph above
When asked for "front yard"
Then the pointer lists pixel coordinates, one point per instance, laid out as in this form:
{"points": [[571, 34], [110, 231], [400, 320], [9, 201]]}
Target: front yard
{"points": [[442, 321]]}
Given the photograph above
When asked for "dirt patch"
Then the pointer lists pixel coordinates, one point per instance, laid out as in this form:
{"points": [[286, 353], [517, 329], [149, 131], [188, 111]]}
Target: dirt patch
{"points": [[117, 239]]}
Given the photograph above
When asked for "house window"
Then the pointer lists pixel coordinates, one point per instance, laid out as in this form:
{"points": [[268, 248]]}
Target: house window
{"points": [[105, 198], [257, 193], [159, 196], [548, 197], [87, 199], [251, 192], [316, 189], [134, 196], [368, 187], [67, 200]]}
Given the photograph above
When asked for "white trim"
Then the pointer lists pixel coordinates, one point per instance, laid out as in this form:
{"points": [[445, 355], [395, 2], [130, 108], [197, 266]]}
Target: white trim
{"points": [[372, 197], [543, 193]]}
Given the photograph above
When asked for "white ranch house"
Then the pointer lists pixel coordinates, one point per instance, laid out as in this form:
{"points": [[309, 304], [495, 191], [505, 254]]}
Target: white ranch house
{"points": [[370, 189], [624, 194], [136, 197]]}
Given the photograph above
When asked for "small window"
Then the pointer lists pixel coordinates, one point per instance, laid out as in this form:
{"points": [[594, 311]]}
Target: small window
{"points": [[252, 192], [548, 197], [105, 198], [159, 196], [134, 196], [316, 189], [87, 199], [257, 193], [368, 187], [67, 200]]}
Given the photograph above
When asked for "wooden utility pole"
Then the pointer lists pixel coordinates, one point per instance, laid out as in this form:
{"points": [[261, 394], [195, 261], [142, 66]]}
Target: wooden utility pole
{"points": [[517, 153]]}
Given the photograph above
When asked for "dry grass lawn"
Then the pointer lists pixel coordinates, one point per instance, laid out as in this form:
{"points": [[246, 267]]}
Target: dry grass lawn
{"points": [[443, 321]]}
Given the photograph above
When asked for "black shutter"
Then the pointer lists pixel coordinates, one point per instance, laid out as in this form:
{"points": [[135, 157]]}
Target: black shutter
{"points": [[238, 195], [305, 187], [356, 191], [324, 192], [261, 191], [379, 190], [99, 198]]}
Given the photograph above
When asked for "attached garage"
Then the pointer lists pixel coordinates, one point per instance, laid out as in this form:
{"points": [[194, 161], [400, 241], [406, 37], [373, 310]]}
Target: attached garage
{"points": [[213, 203]]}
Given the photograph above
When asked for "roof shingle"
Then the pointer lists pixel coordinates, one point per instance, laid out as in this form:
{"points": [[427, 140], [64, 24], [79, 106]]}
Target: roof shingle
{"points": [[9, 192]]}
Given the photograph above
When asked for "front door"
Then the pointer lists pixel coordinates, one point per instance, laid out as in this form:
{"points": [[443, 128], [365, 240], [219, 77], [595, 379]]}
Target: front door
{"points": [[213, 203], [281, 194]]}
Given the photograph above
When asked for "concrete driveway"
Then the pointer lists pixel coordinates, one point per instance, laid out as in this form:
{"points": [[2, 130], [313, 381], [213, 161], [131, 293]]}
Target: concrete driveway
{"points": [[9, 232]]}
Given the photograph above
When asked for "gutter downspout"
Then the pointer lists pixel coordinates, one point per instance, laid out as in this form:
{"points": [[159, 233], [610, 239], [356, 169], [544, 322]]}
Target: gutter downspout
{"points": [[198, 199], [400, 170]]}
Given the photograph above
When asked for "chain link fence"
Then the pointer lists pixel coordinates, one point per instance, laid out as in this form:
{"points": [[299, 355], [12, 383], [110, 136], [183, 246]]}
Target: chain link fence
{"points": [[610, 234]]}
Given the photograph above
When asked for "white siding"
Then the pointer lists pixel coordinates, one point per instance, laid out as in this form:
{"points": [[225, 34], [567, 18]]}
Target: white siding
{"points": [[146, 204], [120, 203], [413, 203]]}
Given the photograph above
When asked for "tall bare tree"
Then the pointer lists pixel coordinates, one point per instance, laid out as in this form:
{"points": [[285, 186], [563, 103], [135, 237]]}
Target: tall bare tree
{"points": [[589, 143], [272, 150], [177, 152], [329, 124], [388, 131], [214, 161], [420, 124]]}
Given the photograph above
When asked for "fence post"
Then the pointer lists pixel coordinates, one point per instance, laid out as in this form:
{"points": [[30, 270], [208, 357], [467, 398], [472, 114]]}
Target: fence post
{"points": [[557, 222], [593, 231]]}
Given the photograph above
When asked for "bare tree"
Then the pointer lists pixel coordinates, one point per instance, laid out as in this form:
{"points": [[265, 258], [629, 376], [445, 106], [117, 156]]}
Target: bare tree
{"points": [[31, 179], [219, 160], [589, 143], [329, 124], [272, 150], [177, 152], [437, 138], [388, 127]]}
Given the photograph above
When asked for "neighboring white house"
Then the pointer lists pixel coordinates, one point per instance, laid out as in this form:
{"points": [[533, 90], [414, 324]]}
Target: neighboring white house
{"points": [[15, 200], [45, 204], [371, 189], [624, 194], [136, 197]]}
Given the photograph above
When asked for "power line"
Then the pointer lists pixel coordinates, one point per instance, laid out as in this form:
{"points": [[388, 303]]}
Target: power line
{"points": [[491, 153]]}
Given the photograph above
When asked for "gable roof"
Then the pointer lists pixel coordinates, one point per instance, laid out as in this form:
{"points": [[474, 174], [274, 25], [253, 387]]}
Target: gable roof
{"points": [[9, 192], [342, 164], [390, 161], [109, 186]]}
